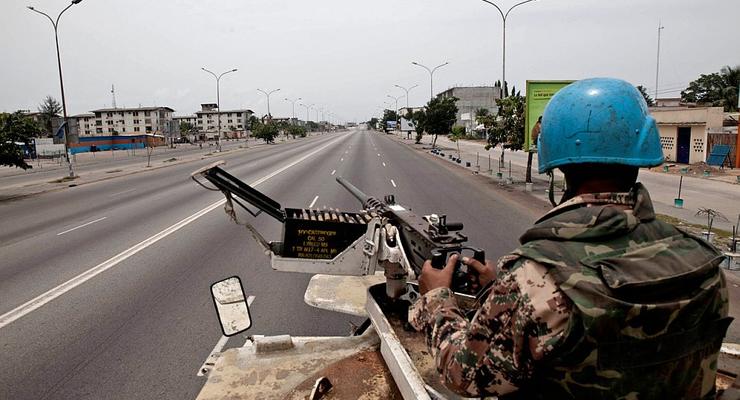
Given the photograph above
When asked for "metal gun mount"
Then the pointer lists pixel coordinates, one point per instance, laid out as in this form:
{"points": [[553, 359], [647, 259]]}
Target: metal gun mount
{"points": [[383, 234]]}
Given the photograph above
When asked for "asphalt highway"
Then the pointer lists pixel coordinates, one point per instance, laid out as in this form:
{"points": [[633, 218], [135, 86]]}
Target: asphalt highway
{"points": [[104, 288]]}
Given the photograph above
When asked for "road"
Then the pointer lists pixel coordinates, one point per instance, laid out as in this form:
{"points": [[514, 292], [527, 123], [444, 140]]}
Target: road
{"points": [[104, 287]]}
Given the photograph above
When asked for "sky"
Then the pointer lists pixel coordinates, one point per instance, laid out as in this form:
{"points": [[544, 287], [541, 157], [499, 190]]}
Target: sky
{"points": [[346, 55]]}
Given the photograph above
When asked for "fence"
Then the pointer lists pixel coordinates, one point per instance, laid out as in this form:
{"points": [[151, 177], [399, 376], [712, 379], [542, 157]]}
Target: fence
{"points": [[723, 138]]}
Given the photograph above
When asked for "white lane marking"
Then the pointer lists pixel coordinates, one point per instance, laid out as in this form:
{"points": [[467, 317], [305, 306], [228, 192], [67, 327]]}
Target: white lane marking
{"points": [[313, 202], [120, 193], [334, 172], [46, 297], [393, 183], [384, 164], [378, 154], [81, 226], [341, 159], [213, 355]]}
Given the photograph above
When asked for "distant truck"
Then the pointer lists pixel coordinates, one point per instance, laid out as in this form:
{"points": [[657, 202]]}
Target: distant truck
{"points": [[390, 126]]}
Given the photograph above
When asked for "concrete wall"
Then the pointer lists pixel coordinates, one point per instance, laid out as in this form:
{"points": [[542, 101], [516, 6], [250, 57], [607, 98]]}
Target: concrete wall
{"points": [[470, 99], [700, 120]]}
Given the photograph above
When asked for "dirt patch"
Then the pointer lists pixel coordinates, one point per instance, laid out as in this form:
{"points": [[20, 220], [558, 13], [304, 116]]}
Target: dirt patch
{"points": [[113, 171], [697, 170], [170, 160], [722, 238]]}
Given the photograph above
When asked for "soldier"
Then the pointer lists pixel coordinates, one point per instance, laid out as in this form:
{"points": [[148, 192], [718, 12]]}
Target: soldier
{"points": [[601, 300]]}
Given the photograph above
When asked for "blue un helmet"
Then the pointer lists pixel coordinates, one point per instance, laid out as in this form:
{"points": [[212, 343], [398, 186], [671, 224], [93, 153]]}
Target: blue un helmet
{"points": [[599, 120]]}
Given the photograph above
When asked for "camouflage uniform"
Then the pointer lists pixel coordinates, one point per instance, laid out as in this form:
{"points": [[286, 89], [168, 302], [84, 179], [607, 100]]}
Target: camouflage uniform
{"points": [[601, 301]]}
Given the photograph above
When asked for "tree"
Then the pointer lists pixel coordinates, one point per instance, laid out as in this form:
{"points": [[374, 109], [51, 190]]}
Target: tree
{"points": [[718, 89], [458, 132], [49, 109], [649, 100], [267, 132], [420, 121], [296, 131], [373, 123], [441, 115], [16, 128], [508, 131]]}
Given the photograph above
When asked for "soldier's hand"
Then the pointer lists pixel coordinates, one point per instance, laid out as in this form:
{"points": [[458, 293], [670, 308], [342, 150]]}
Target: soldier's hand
{"points": [[486, 273], [432, 278]]}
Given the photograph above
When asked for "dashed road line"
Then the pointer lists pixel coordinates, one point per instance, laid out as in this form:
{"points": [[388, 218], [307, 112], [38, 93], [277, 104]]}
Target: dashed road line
{"points": [[120, 193], [393, 183], [81, 226], [334, 172], [384, 164], [53, 293]]}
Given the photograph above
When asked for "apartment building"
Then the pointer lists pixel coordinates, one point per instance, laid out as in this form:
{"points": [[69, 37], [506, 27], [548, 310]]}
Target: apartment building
{"points": [[470, 100], [126, 121], [234, 123]]}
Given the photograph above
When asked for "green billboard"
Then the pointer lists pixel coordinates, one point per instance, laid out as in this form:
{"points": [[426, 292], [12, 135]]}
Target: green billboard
{"points": [[539, 94]]}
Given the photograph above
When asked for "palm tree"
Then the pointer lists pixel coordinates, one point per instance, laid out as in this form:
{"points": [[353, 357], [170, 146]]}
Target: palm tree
{"points": [[731, 78]]}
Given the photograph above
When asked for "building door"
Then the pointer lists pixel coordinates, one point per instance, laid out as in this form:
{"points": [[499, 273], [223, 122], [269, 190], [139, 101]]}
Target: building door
{"points": [[684, 145]]}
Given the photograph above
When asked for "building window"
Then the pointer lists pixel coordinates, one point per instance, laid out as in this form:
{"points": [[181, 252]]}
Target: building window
{"points": [[137, 121], [109, 122], [97, 115], [136, 113], [110, 130], [98, 130], [229, 121], [121, 113], [200, 122], [148, 129], [239, 127], [99, 123], [146, 113], [148, 121], [110, 114], [136, 129]]}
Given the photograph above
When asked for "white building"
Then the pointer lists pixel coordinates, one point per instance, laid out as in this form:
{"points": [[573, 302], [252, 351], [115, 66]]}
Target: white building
{"points": [[684, 131], [234, 123], [126, 121]]}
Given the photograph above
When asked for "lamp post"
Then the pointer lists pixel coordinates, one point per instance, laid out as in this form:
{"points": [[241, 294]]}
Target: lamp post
{"points": [[504, 16], [431, 75], [55, 24], [269, 116], [407, 92], [396, 99], [218, 101], [293, 102], [657, 62]]}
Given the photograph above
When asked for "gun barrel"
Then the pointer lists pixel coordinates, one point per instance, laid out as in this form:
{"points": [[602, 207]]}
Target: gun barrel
{"points": [[354, 190]]}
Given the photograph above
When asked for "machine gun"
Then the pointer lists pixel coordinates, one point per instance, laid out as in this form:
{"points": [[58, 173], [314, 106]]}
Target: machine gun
{"points": [[334, 242]]}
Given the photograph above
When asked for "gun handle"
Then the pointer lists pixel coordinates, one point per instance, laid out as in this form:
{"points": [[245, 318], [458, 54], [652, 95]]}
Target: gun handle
{"points": [[439, 259]]}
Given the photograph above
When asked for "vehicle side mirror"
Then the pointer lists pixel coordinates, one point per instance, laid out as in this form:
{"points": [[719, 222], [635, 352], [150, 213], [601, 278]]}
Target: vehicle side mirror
{"points": [[231, 306]]}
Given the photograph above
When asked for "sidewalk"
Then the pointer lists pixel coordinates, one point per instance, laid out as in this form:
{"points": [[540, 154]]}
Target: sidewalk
{"points": [[718, 193]]}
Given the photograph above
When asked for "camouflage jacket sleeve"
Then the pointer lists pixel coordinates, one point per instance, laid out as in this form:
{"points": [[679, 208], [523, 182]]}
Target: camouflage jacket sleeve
{"points": [[521, 321]]}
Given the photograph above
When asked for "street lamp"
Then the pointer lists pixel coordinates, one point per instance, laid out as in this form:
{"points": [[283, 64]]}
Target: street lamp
{"points": [[503, 17], [431, 75], [293, 101], [218, 101], [396, 99], [407, 92], [269, 116], [657, 63], [55, 24]]}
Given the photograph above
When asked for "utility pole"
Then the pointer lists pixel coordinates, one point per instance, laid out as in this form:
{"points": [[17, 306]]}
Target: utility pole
{"points": [[431, 75], [218, 102], [657, 63], [55, 24], [269, 116], [504, 16]]}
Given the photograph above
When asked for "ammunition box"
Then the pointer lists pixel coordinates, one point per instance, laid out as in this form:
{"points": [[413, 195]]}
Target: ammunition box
{"points": [[320, 234]]}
